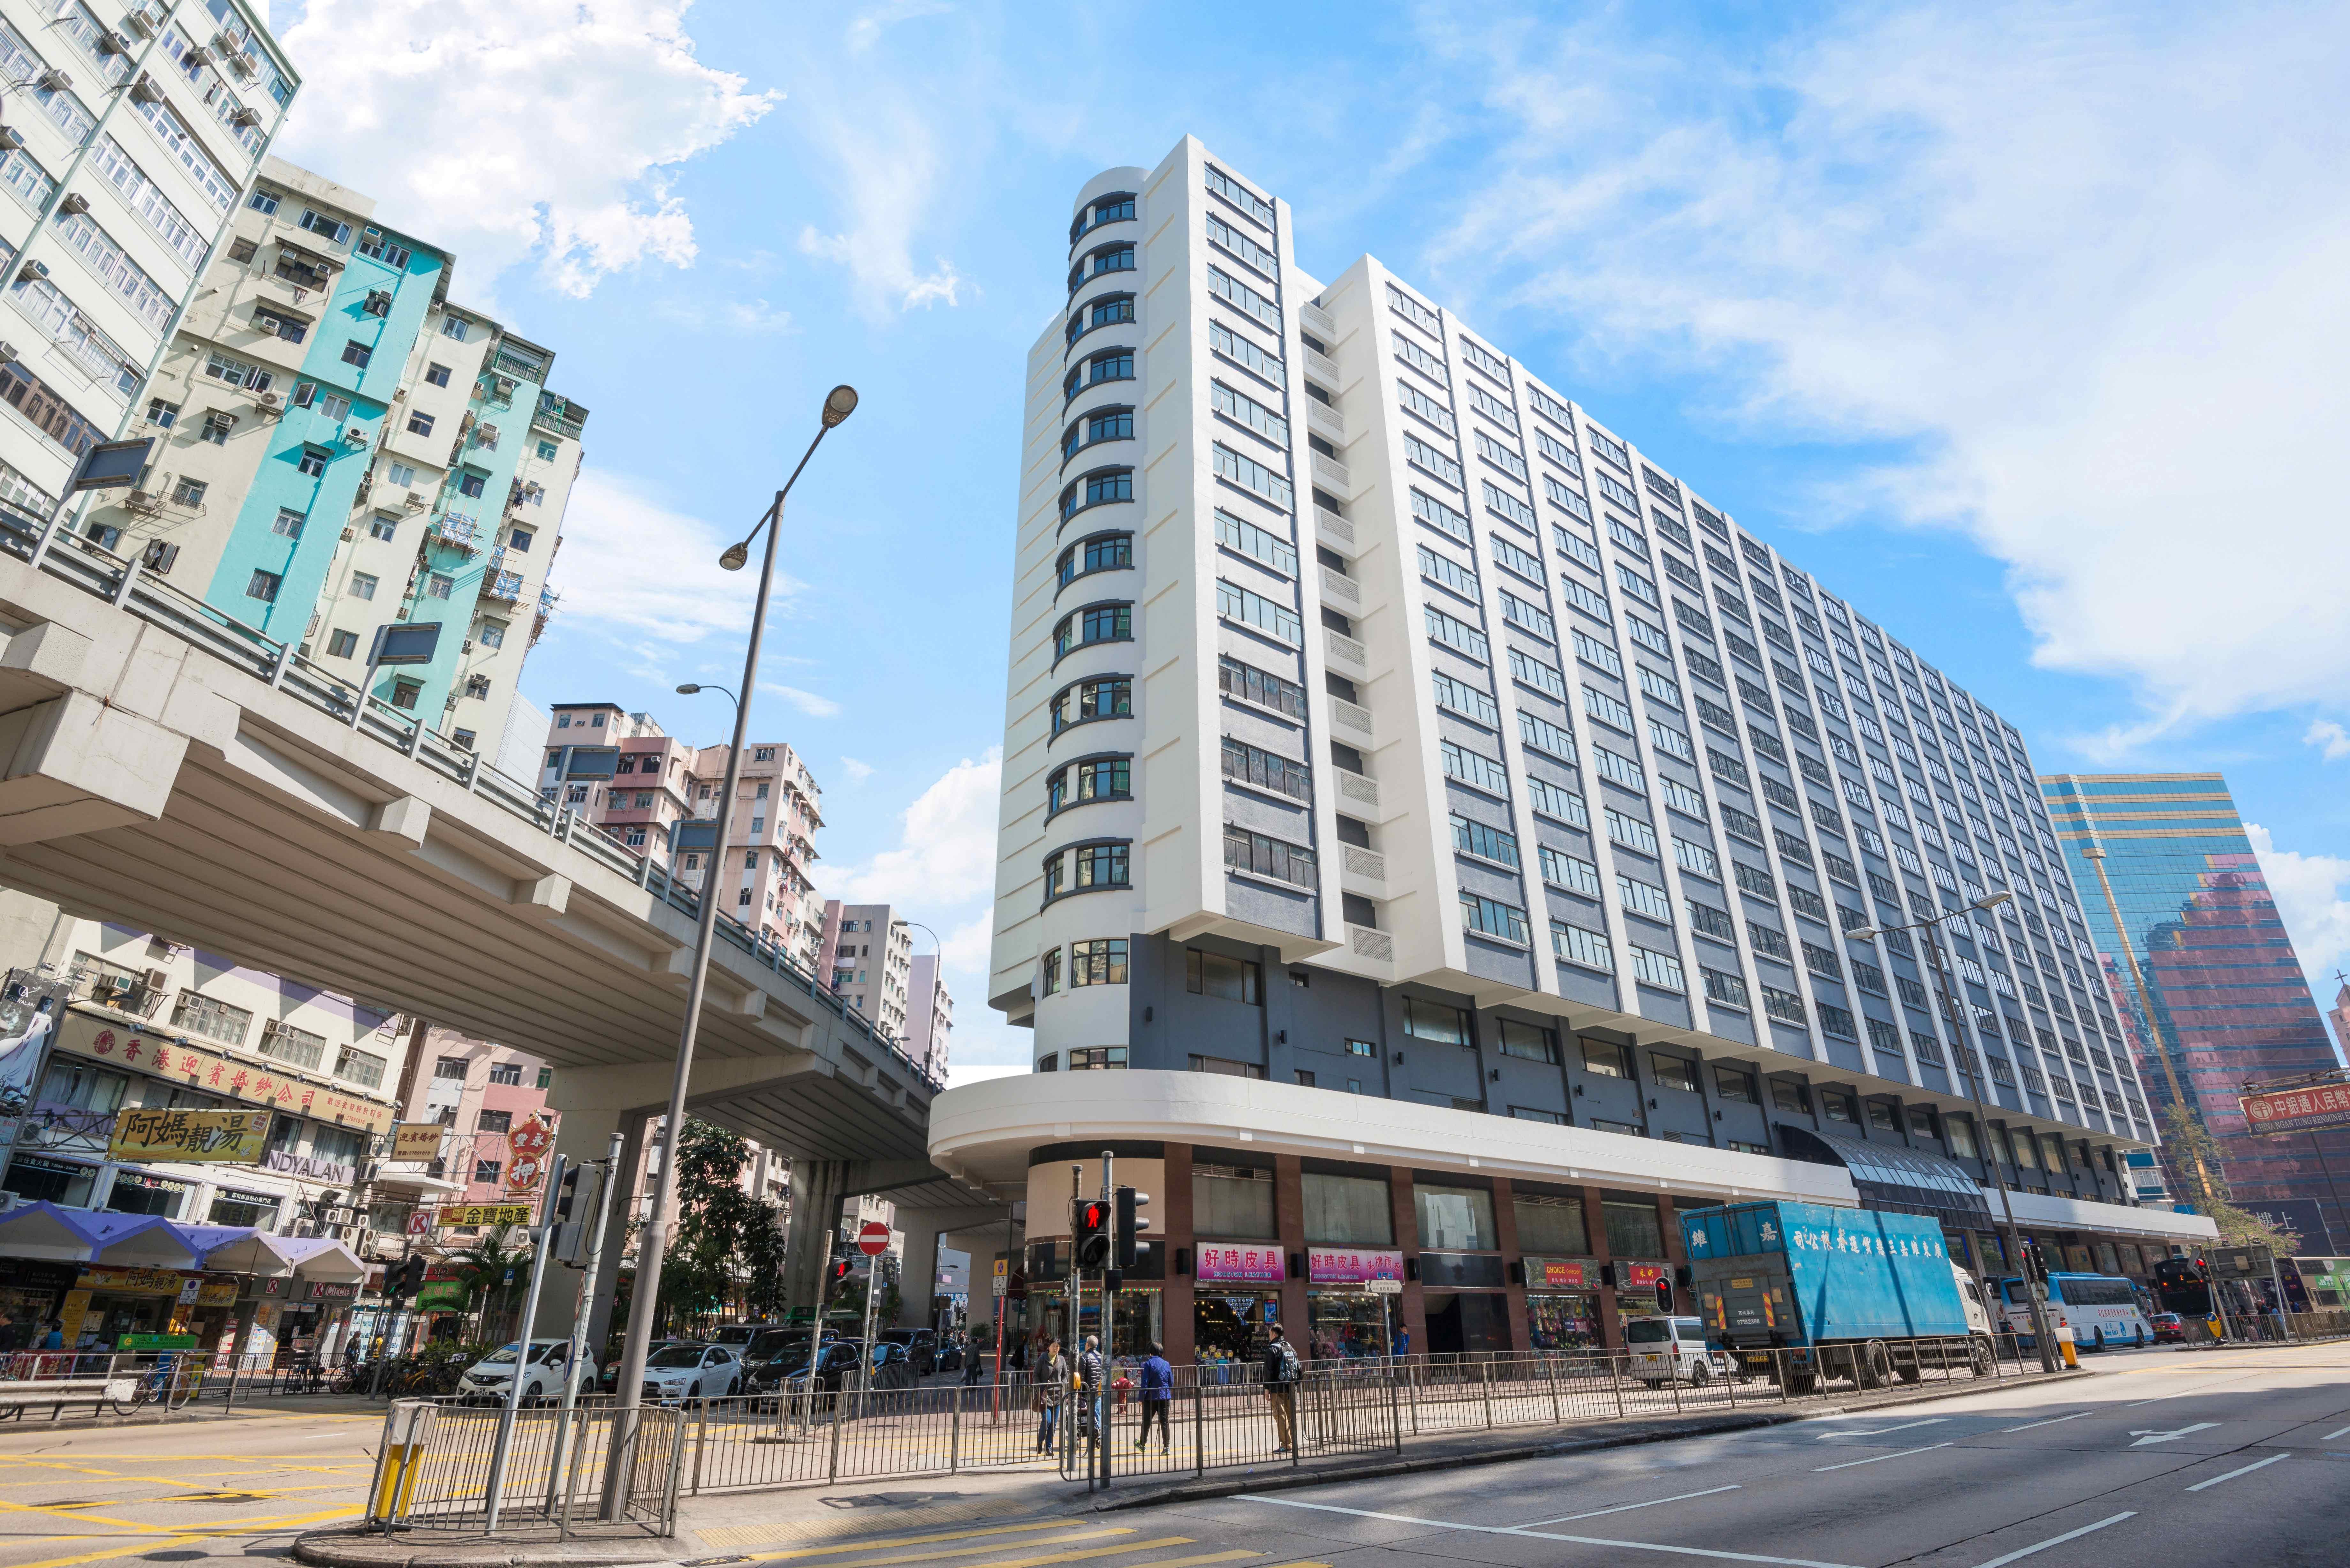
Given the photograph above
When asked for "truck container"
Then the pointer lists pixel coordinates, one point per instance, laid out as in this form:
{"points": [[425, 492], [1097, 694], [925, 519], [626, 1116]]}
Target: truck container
{"points": [[1855, 1292]]}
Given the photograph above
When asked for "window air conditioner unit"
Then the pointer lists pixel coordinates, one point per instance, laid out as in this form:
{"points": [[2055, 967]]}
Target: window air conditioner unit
{"points": [[246, 65], [349, 534], [245, 118], [157, 979], [111, 43], [197, 55], [140, 23], [159, 559], [272, 400], [74, 202], [145, 90], [9, 139], [354, 436], [8, 353], [55, 80]]}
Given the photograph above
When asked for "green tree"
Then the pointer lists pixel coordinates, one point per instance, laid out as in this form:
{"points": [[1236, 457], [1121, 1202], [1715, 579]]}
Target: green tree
{"points": [[2195, 1167], [481, 1267], [727, 1251]]}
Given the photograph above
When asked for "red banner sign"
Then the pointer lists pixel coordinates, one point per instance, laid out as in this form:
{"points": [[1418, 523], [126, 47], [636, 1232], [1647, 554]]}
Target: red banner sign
{"points": [[1352, 1265], [1638, 1276], [1562, 1274], [2299, 1110]]}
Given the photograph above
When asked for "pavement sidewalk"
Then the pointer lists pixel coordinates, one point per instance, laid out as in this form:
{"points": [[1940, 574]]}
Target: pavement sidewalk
{"points": [[727, 1527]]}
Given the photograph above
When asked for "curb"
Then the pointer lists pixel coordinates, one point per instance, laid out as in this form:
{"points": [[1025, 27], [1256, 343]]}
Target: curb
{"points": [[357, 1546], [1667, 1430]]}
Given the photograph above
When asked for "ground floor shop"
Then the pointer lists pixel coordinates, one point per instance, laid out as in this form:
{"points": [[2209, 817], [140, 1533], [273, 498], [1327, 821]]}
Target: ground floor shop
{"points": [[1442, 1253]]}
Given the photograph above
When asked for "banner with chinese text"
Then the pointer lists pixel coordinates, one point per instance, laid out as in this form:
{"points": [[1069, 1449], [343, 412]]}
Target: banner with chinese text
{"points": [[2299, 1110], [189, 1136], [263, 1084], [1222, 1261]]}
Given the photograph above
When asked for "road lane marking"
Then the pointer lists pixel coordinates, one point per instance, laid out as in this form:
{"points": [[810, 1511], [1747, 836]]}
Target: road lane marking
{"points": [[1878, 1431], [2329, 1436], [1879, 1458], [2049, 1422], [883, 1544], [1533, 1534], [2056, 1540], [1034, 1562], [2147, 1439], [1621, 1507], [2244, 1470]]}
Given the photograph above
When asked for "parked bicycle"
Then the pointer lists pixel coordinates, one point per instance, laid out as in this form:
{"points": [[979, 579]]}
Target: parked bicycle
{"points": [[172, 1382]]}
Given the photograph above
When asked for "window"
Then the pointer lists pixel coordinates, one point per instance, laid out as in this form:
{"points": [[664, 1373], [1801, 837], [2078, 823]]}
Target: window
{"points": [[519, 540], [546, 454], [1607, 1060], [1112, 698], [362, 586], [440, 585], [1101, 961], [493, 1121], [1254, 765], [357, 353], [418, 424], [188, 493], [1455, 1219], [546, 1077], [263, 585], [342, 644], [1269, 857], [1230, 978], [1579, 946], [1100, 778], [1530, 1040], [1491, 918], [1474, 769], [1270, 549], [313, 462], [1661, 969], [400, 475], [212, 1019], [486, 1171], [1096, 623], [382, 527], [1570, 871], [405, 694], [473, 485], [1049, 976], [289, 524], [1673, 1072], [363, 1068], [1235, 603]]}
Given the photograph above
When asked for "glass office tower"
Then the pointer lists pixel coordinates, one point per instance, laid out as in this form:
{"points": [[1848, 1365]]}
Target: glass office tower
{"points": [[2230, 1005]]}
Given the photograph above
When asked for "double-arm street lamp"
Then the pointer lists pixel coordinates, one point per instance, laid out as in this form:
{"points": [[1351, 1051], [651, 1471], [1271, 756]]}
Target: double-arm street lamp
{"points": [[653, 1241], [1970, 1066]]}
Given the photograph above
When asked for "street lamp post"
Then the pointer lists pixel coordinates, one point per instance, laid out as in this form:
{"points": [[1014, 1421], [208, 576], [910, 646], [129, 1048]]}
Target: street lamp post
{"points": [[653, 1241], [1973, 1062]]}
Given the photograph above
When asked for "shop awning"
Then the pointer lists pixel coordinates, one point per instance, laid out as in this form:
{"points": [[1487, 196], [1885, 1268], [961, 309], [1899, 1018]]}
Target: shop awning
{"points": [[1896, 1179], [43, 1231], [324, 1258], [242, 1250]]}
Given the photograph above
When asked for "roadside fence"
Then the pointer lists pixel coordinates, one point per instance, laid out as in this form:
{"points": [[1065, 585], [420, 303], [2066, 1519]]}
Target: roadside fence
{"points": [[432, 1467]]}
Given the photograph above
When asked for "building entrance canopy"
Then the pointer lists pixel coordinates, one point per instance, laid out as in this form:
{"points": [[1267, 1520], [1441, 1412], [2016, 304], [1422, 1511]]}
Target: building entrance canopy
{"points": [[1900, 1181]]}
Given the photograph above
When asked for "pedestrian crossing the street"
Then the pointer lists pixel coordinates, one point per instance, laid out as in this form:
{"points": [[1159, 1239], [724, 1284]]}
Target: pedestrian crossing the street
{"points": [[1032, 1544]]}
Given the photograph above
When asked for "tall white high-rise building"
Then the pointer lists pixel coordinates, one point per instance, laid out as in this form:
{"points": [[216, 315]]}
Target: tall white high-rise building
{"points": [[131, 132], [1388, 733]]}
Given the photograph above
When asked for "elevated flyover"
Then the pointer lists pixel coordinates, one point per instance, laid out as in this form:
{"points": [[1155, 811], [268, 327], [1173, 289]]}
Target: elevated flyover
{"points": [[169, 769]]}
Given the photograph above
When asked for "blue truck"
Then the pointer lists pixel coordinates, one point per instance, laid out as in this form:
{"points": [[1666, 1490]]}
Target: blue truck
{"points": [[1854, 1293]]}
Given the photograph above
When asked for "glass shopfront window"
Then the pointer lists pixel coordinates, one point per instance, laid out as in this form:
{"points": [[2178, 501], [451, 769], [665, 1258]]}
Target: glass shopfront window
{"points": [[1347, 1325], [1562, 1320], [1347, 1211], [1633, 1231], [1227, 1326], [137, 1192], [1550, 1225], [1232, 1202]]}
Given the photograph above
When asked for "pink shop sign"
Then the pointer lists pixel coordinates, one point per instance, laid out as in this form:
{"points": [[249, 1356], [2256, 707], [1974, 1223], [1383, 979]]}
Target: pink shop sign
{"points": [[1241, 1265], [1352, 1265]]}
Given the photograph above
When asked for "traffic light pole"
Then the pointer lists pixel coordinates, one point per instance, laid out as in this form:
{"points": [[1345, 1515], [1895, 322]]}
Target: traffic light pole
{"points": [[1108, 1317], [612, 1180], [1076, 1316]]}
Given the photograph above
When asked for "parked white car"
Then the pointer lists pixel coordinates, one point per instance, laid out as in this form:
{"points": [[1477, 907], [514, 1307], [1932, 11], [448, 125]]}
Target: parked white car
{"points": [[692, 1371], [1672, 1349], [487, 1379]]}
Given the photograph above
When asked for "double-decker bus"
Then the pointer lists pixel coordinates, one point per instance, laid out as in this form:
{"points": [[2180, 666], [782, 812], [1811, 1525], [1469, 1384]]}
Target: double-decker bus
{"points": [[2101, 1309]]}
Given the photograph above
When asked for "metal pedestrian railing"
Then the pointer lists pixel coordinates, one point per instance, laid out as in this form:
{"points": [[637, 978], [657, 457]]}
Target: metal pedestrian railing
{"points": [[1226, 1417], [60, 1382], [432, 1467]]}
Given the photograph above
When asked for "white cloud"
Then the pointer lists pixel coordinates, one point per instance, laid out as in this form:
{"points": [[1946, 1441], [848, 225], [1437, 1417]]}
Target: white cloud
{"points": [[2078, 272], [2331, 739], [946, 850], [877, 134], [612, 528], [857, 772], [508, 129], [808, 702], [734, 318], [2309, 892]]}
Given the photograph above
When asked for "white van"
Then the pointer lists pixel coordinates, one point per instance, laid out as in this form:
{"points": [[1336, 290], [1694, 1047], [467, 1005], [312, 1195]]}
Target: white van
{"points": [[1672, 1349]]}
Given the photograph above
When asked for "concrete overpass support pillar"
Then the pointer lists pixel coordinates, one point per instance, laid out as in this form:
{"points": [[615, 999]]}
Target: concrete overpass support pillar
{"points": [[585, 1134], [917, 1278], [818, 1187]]}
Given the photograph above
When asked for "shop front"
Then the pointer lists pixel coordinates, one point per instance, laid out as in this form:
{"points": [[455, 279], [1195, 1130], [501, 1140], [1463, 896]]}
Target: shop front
{"points": [[106, 1304], [212, 1316], [1348, 1318], [1561, 1303], [1643, 1290], [30, 1294], [302, 1322], [1235, 1300]]}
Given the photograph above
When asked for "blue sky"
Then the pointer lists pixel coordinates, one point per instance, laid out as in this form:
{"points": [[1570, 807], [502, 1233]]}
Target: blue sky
{"points": [[2019, 327]]}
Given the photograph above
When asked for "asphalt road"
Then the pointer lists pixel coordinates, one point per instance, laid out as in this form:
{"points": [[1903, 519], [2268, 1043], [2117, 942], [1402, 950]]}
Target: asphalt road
{"points": [[2185, 1459]]}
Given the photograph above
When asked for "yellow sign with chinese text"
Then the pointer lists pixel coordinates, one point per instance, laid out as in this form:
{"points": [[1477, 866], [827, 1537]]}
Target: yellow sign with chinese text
{"points": [[236, 1137], [416, 1142], [488, 1214]]}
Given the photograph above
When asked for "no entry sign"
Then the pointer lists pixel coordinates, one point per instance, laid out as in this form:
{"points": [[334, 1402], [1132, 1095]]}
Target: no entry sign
{"points": [[873, 1237]]}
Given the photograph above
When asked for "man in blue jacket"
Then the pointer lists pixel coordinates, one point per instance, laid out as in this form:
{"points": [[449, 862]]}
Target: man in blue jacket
{"points": [[1158, 1394]]}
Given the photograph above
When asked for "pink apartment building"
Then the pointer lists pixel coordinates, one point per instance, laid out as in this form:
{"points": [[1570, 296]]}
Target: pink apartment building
{"points": [[659, 796]]}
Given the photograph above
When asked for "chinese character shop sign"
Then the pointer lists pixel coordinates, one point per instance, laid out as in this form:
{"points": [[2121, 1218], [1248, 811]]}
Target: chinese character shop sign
{"points": [[1352, 1265], [237, 1136], [2299, 1110], [255, 1083], [1224, 1262]]}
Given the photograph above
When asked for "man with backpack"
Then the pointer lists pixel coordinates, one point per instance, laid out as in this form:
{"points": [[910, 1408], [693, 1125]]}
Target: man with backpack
{"points": [[1281, 1386]]}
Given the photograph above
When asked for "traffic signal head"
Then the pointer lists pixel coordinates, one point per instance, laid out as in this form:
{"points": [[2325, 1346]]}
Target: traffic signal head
{"points": [[842, 1268], [411, 1278], [1129, 1225], [1092, 1233], [567, 1194]]}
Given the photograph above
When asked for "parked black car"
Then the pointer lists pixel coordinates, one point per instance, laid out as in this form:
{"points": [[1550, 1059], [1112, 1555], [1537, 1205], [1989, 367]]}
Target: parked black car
{"points": [[921, 1347]]}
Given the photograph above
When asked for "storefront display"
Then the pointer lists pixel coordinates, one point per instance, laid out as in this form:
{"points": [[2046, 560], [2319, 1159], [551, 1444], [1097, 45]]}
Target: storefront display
{"points": [[1228, 1325], [1562, 1303], [30, 1296], [105, 1303], [1347, 1325]]}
